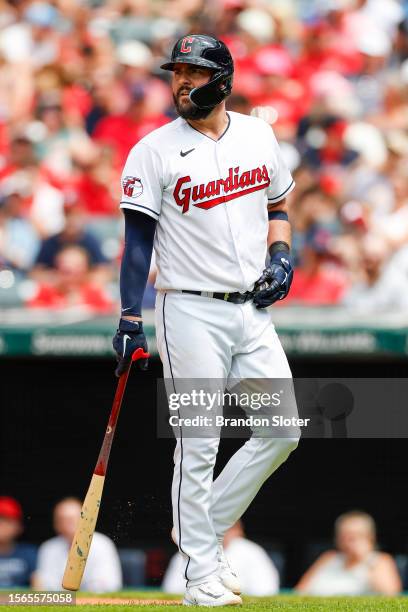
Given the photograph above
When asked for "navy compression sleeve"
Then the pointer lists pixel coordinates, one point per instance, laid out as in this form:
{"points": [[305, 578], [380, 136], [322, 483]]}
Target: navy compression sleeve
{"points": [[137, 254]]}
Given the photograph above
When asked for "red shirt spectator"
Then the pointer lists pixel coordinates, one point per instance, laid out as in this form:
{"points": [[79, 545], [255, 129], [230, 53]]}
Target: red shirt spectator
{"points": [[279, 90], [317, 282], [95, 196], [324, 49], [72, 285], [122, 132], [323, 286], [92, 297]]}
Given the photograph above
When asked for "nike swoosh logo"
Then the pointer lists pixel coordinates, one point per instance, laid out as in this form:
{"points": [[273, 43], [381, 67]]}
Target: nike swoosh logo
{"points": [[126, 338], [210, 594], [184, 153], [125, 309]]}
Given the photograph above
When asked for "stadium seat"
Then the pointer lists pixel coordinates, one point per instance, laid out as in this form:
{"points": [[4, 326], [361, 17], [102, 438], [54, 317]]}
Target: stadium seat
{"points": [[278, 559], [133, 561], [109, 231], [105, 227], [10, 296], [402, 565]]}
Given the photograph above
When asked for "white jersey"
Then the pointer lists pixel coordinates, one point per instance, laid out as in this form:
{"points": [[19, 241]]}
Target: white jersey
{"points": [[210, 201]]}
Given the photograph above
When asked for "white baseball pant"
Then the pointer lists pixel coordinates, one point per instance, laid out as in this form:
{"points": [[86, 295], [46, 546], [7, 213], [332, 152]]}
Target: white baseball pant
{"points": [[200, 337]]}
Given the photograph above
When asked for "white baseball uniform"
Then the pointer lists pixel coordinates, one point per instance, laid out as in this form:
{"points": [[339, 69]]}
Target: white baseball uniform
{"points": [[210, 201]]}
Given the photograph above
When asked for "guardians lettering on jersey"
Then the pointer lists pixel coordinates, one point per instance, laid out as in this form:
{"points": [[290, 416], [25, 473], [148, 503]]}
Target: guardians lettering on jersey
{"points": [[235, 185]]}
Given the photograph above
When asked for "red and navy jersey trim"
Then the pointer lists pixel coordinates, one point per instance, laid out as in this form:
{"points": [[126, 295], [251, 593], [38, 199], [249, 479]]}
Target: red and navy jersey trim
{"points": [[140, 206]]}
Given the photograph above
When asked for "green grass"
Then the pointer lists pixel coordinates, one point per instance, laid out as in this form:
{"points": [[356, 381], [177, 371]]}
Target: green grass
{"points": [[281, 603]]}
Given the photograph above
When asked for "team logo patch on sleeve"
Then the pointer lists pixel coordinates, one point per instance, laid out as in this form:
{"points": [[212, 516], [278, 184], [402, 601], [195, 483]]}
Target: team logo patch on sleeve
{"points": [[132, 186]]}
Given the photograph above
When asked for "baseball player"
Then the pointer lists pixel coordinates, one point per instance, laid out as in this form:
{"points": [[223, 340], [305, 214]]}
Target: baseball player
{"points": [[208, 190]]}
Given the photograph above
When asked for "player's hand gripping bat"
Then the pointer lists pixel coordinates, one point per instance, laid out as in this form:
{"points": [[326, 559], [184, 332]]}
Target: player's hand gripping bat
{"points": [[81, 543]]}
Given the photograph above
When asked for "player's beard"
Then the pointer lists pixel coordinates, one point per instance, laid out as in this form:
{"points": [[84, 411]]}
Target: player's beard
{"points": [[190, 110]]}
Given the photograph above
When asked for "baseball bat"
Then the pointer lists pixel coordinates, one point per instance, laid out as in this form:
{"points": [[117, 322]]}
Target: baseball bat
{"points": [[81, 543]]}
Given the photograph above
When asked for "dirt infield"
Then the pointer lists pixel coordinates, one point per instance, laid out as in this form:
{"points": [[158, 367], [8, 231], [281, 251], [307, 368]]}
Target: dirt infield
{"points": [[118, 601]]}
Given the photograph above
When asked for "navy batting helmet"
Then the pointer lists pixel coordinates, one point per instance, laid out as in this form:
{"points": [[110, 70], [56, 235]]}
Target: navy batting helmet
{"points": [[209, 52]]}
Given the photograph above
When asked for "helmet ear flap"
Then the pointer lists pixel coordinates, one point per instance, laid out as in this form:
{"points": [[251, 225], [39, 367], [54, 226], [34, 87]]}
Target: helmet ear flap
{"points": [[213, 92]]}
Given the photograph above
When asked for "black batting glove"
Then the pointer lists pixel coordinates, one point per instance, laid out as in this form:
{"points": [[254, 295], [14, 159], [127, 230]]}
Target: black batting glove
{"points": [[129, 337], [275, 282]]}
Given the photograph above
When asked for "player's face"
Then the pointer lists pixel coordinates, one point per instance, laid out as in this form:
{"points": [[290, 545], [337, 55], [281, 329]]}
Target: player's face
{"points": [[185, 78]]}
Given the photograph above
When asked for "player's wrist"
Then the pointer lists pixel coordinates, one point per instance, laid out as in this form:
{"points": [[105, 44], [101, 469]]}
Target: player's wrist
{"points": [[279, 246], [130, 325], [132, 313], [280, 255], [278, 215]]}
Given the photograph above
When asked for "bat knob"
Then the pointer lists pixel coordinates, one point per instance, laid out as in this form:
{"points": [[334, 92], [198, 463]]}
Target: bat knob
{"points": [[140, 354]]}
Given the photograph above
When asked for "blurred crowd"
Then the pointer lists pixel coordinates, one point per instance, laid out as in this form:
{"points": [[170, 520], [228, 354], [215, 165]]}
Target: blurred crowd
{"points": [[355, 566], [80, 84], [42, 568]]}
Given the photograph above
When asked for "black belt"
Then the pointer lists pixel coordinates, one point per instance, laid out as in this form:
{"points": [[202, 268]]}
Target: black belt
{"points": [[235, 298]]}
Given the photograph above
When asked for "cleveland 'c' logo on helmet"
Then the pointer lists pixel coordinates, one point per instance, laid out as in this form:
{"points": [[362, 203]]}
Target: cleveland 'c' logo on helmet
{"points": [[185, 47]]}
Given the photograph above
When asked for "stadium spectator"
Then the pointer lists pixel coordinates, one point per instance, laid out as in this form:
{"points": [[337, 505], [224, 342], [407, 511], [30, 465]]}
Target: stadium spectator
{"points": [[72, 285], [20, 160], [382, 286], [257, 574], [319, 280], [75, 233], [17, 560], [19, 241], [80, 85], [122, 131], [279, 90], [18, 174], [313, 206], [394, 227], [332, 149], [102, 571], [239, 104], [56, 137], [94, 181], [355, 567]]}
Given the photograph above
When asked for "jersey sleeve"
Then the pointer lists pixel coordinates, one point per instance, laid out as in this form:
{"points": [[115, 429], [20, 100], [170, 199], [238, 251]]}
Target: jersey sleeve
{"points": [[282, 181], [142, 181]]}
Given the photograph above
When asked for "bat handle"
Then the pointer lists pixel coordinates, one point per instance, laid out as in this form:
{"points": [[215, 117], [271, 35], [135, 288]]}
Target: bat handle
{"points": [[140, 354]]}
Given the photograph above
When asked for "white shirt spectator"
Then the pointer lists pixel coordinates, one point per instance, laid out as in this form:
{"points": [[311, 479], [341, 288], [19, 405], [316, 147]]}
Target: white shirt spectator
{"points": [[390, 292], [18, 45], [256, 573], [334, 578], [102, 572]]}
